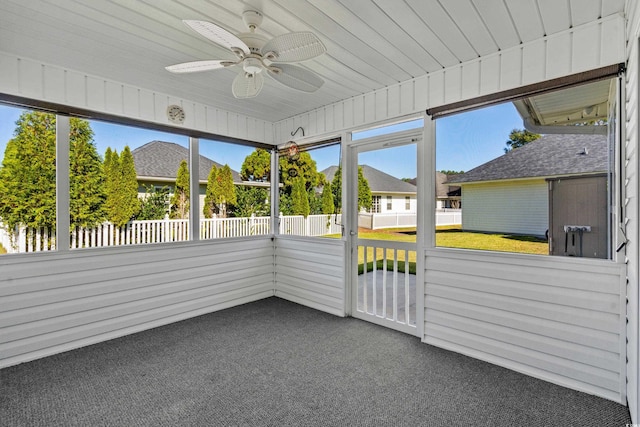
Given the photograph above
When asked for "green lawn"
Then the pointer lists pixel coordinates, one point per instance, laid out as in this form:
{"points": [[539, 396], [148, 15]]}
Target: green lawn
{"points": [[451, 237]]}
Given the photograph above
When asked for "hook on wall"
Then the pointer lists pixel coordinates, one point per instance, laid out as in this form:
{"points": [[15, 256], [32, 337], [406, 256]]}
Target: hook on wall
{"points": [[296, 131]]}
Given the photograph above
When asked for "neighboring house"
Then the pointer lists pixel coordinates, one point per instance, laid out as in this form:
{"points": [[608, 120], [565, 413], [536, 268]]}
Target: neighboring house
{"points": [[447, 196], [388, 193], [511, 193], [157, 165]]}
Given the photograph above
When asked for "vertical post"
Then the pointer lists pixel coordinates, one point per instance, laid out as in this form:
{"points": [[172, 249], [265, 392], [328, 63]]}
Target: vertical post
{"points": [[426, 212], [22, 239], [349, 217], [62, 183], [194, 185], [275, 196]]}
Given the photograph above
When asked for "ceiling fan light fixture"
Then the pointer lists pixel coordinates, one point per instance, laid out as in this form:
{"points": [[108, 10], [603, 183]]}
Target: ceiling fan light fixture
{"points": [[252, 65]]}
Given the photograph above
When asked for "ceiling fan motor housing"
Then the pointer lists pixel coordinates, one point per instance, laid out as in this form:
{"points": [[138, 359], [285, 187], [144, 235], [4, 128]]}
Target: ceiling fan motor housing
{"points": [[252, 19]]}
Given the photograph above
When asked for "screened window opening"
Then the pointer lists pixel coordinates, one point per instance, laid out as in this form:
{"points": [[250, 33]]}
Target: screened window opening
{"points": [[27, 181], [128, 185], [234, 190], [531, 176], [134, 184], [310, 194]]}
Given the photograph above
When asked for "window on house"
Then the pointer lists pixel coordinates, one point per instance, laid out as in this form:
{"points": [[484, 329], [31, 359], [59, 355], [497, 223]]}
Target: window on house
{"points": [[389, 203], [234, 190], [27, 180], [548, 190], [407, 203], [375, 204], [310, 191]]}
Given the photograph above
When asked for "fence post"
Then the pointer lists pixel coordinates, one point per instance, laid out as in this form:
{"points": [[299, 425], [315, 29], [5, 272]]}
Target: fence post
{"points": [[22, 239]]}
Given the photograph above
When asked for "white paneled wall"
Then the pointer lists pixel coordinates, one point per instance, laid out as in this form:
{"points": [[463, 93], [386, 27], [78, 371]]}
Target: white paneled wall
{"points": [[582, 48], [31, 79], [54, 302], [311, 272], [550, 317], [631, 209]]}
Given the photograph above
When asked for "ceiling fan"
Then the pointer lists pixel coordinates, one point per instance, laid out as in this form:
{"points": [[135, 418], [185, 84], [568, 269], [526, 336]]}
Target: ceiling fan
{"points": [[258, 56]]}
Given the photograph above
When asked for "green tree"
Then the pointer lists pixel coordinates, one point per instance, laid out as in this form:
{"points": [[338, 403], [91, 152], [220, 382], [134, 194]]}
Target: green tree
{"points": [[86, 177], [121, 186], [257, 166], [250, 201], [111, 167], [220, 193], [291, 170], [328, 206], [299, 198], [336, 190], [180, 198], [210, 208], [28, 173], [153, 205], [448, 172], [519, 138], [303, 167], [224, 190], [364, 191], [129, 203]]}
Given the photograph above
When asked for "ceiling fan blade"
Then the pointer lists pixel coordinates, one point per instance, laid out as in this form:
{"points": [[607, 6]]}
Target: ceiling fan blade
{"points": [[217, 35], [294, 47], [195, 66], [296, 77], [247, 85]]}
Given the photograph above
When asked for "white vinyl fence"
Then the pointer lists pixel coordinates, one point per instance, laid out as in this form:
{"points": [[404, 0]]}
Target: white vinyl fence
{"points": [[166, 230], [375, 221], [176, 230]]}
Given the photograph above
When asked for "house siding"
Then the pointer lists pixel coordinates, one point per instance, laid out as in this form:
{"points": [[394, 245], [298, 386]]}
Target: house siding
{"points": [[631, 208], [509, 207], [556, 319], [311, 272], [397, 202], [61, 301]]}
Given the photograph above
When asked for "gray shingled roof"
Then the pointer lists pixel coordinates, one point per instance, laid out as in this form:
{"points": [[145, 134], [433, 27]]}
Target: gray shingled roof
{"points": [[551, 155], [161, 159], [379, 182]]}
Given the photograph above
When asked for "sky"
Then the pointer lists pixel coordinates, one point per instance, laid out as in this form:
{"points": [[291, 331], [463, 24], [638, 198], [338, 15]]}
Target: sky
{"points": [[463, 141]]}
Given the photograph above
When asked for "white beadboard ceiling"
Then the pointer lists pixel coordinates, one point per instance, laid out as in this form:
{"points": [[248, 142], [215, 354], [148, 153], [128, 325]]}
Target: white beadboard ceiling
{"points": [[370, 43]]}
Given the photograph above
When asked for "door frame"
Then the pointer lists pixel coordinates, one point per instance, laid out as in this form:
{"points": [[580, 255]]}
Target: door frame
{"points": [[350, 208]]}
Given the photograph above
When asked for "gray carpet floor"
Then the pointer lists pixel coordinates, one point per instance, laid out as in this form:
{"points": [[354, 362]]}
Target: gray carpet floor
{"points": [[275, 363]]}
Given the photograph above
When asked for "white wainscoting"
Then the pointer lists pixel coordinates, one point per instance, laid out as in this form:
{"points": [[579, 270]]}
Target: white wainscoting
{"points": [[584, 47], [54, 302], [310, 271], [558, 319]]}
